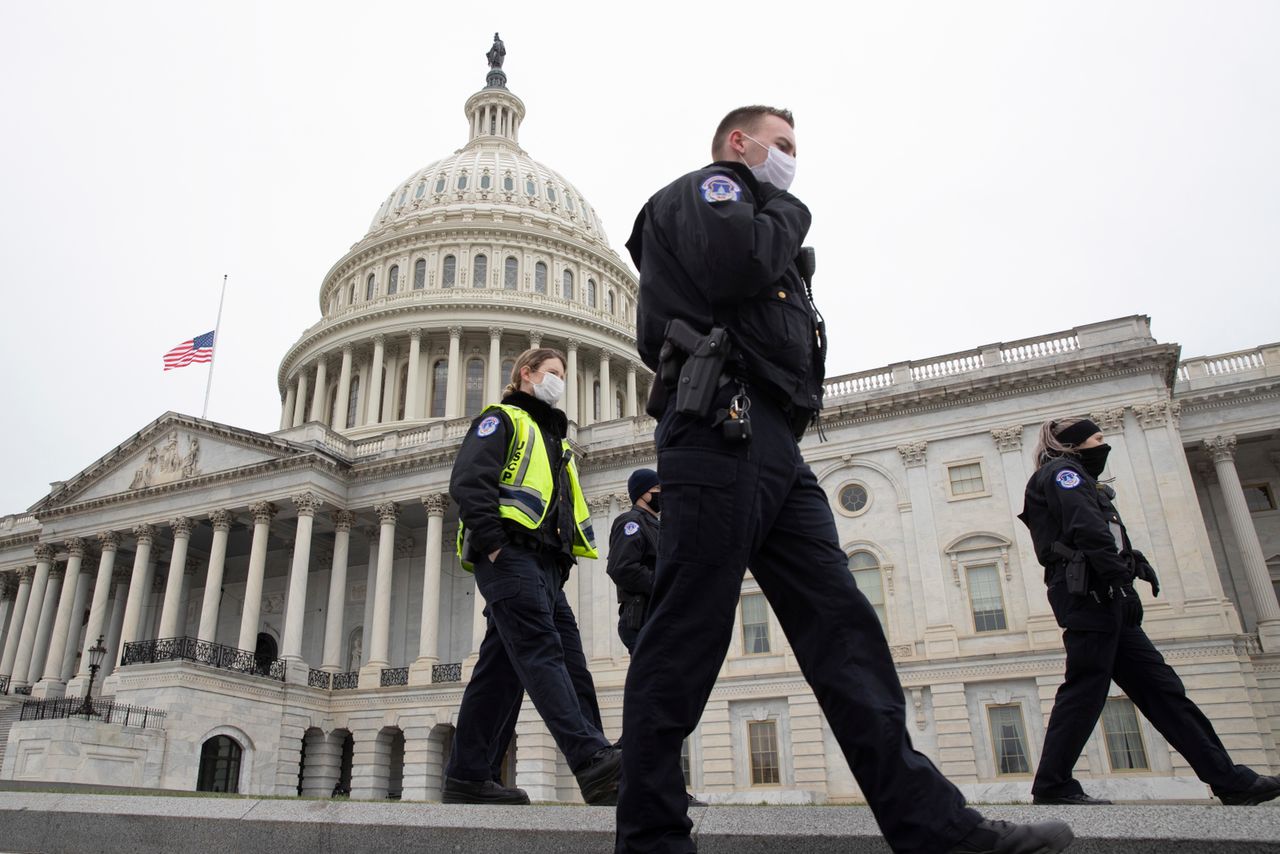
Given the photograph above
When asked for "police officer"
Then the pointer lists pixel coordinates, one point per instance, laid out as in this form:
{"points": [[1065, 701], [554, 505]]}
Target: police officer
{"points": [[1090, 567], [717, 249], [523, 519], [633, 551]]}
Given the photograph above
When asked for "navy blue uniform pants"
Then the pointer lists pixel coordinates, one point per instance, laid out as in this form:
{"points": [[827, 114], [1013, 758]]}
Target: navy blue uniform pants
{"points": [[727, 506], [1126, 655], [531, 643]]}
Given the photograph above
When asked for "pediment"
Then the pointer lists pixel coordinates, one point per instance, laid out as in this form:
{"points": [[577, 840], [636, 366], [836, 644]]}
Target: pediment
{"points": [[978, 541], [171, 450]]}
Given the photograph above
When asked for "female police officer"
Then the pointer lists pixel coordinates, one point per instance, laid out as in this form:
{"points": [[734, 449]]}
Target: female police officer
{"points": [[1090, 567], [523, 518]]}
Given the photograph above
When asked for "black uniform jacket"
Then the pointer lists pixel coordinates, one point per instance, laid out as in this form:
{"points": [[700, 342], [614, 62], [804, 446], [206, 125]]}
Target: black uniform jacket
{"points": [[1064, 503], [474, 483], [632, 557], [718, 247]]}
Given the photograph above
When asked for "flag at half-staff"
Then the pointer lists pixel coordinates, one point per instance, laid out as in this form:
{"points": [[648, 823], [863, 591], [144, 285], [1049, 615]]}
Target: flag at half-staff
{"points": [[195, 350]]}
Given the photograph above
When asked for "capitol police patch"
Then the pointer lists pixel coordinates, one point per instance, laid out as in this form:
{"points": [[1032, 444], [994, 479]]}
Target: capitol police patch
{"points": [[630, 528], [721, 188], [487, 426], [1068, 479]]}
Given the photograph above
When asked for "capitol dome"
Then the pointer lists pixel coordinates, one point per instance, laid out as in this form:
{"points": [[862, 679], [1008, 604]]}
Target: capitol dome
{"points": [[467, 262]]}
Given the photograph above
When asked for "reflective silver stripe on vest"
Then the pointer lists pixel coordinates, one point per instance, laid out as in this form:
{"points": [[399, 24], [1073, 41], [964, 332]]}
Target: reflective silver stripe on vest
{"points": [[524, 498], [524, 461]]}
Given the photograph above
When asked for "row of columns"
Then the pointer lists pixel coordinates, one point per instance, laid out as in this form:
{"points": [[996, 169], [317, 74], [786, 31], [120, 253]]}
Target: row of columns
{"points": [[380, 405]]}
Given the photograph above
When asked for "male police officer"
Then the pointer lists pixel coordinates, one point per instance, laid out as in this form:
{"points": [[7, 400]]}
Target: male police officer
{"points": [[717, 249], [633, 551]]}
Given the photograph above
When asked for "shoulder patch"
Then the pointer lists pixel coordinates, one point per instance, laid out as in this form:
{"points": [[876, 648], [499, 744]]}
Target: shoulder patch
{"points": [[488, 426], [1067, 479], [630, 528], [721, 188]]}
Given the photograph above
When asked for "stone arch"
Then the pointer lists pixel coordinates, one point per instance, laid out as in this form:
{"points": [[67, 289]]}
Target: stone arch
{"points": [[439, 749], [317, 764], [832, 475], [244, 754], [393, 738]]}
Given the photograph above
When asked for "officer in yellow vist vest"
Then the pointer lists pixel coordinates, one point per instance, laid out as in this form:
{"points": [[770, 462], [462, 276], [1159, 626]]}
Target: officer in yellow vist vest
{"points": [[522, 522]]}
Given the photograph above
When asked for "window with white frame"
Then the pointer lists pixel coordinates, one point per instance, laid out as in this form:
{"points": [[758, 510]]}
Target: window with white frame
{"points": [[393, 279], [474, 387], [965, 479], [368, 287], [419, 274], [439, 387], [763, 739], [1009, 739], [985, 599], [755, 624], [1125, 749], [511, 273], [450, 276], [866, 574], [853, 499], [479, 270], [566, 285], [540, 278]]}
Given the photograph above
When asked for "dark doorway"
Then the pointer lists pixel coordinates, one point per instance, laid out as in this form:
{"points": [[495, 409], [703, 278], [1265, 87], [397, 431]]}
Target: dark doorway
{"points": [[219, 765], [344, 771], [266, 652]]}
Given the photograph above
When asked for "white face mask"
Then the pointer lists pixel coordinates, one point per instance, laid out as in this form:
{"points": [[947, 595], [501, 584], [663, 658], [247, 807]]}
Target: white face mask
{"points": [[778, 168], [549, 390]]}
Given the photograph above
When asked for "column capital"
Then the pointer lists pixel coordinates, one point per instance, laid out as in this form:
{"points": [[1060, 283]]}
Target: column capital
{"points": [[535, 340], [495, 332], [44, 551], [121, 575], [263, 512], [605, 355], [108, 541], [8, 585], [455, 331], [599, 503], [436, 503], [26, 574], [913, 453], [144, 533], [348, 349], [1221, 448], [1158, 413], [181, 526], [1110, 420], [343, 520], [307, 503], [378, 338], [221, 520], [571, 345], [415, 334], [1007, 438], [387, 512], [632, 367], [76, 547], [57, 572]]}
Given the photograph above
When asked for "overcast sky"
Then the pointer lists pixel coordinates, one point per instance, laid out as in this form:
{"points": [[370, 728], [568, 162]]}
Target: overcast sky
{"points": [[978, 172]]}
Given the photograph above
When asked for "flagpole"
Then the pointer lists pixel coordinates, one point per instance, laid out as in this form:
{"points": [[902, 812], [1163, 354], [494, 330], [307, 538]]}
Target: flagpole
{"points": [[216, 325]]}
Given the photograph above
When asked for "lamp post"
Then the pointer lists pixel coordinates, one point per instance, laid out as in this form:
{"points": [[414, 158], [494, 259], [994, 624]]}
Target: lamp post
{"points": [[96, 653]]}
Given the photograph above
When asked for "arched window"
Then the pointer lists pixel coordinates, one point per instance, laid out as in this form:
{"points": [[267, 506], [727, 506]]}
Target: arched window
{"points": [[462, 181], [508, 365], [219, 765], [404, 194], [866, 574], [530, 187], [595, 401], [608, 302], [591, 293], [439, 387], [450, 271], [368, 287], [568, 202], [393, 279], [508, 183], [486, 180], [479, 271], [619, 404], [551, 194], [419, 274], [440, 184], [351, 299], [567, 285], [422, 188], [475, 386], [540, 278], [353, 402], [511, 273]]}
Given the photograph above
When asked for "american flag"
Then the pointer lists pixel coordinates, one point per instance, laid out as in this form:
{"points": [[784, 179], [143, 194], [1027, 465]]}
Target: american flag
{"points": [[198, 349]]}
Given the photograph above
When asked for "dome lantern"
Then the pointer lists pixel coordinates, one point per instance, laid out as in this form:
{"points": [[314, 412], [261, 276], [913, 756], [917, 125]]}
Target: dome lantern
{"points": [[493, 113]]}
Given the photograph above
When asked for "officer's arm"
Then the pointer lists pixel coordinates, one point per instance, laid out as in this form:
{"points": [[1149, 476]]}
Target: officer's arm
{"points": [[731, 248], [625, 556], [474, 483], [1084, 526]]}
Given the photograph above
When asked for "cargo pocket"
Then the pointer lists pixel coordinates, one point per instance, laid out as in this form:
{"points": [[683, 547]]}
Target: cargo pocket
{"points": [[700, 518], [494, 583]]}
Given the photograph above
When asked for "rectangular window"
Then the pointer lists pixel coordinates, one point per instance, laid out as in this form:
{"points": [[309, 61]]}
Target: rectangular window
{"points": [[871, 585], [763, 736], [684, 764], [755, 624], [1124, 738], [966, 479], [985, 599], [1009, 739], [1259, 498]]}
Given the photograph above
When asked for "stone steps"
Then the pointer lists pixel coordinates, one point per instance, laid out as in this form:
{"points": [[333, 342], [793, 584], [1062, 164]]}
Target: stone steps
{"points": [[9, 713], [51, 822]]}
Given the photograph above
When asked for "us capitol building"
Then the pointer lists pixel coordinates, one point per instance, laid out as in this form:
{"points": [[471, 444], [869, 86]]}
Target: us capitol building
{"points": [[284, 613]]}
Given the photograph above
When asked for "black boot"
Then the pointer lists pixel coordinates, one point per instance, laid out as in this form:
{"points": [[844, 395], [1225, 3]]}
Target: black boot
{"points": [[599, 778], [1262, 790], [1002, 837], [481, 792]]}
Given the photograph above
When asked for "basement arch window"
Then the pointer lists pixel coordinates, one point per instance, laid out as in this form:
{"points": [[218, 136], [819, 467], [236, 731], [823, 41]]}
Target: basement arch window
{"points": [[220, 765]]}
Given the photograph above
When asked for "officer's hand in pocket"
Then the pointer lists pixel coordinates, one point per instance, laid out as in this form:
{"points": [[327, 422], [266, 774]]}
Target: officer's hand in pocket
{"points": [[1131, 607], [493, 555]]}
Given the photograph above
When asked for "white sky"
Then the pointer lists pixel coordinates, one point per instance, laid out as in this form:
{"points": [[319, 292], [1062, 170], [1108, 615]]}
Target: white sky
{"points": [[978, 172]]}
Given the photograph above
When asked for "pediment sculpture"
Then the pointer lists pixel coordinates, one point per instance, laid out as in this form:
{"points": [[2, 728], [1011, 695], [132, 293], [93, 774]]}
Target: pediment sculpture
{"points": [[165, 463]]}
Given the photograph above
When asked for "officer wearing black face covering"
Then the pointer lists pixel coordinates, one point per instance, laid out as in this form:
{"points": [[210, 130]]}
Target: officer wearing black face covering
{"points": [[633, 552], [1090, 567]]}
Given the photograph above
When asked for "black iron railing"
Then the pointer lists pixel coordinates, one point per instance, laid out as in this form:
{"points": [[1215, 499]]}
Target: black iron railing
{"points": [[446, 672], [346, 681], [106, 710], [4, 684], [22, 690], [202, 652], [318, 679], [394, 676]]}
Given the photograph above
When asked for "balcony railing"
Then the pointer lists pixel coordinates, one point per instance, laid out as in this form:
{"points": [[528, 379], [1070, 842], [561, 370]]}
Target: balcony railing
{"points": [[319, 679], [346, 681], [202, 652], [394, 676], [446, 672], [4, 684], [108, 711]]}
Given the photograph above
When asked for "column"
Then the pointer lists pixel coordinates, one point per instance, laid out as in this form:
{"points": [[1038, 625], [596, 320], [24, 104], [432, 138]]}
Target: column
{"points": [[630, 402], [300, 402], [493, 392], [1042, 629], [429, 631], [453, 392], [168, 627], [180, 628], [1223, 451], [295, 607], [318, 390], [342, 521], [120, 580], [16, 623], [109, 544], [74, 639], [263, 511], [8, 587], [571, 381], [601, 630], [588, 391], [606, 389], [343, 398], [44, 627], [286, 411], [208, 629], [370, 588], [374, 397], [139, 584], [52, 671], [390, 392], [412, 411], [535, 340], [380, 634], [940, 635]]}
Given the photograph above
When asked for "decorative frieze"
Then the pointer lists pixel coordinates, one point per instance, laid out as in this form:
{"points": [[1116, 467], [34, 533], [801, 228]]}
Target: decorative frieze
{"points": [[1221, 448], [913, 453], [1007, 439], [165, 463]]}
